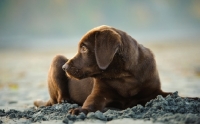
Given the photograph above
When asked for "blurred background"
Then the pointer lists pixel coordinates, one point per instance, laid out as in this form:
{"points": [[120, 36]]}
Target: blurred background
{"points": [[32, 32], [23, 21]]}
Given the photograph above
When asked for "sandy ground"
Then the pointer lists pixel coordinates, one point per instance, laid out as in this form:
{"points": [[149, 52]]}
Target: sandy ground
{"points": [[23, 73]]}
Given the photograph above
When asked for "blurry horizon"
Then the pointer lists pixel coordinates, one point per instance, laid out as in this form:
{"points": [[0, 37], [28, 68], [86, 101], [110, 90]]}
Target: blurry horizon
{"points": [[28, 21]]}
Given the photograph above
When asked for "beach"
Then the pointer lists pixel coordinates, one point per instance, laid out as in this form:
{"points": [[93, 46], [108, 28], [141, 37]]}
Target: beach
{"points": [[23, 73]]}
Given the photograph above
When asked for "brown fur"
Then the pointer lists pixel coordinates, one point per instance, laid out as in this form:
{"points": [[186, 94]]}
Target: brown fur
{"points": [[113, 70], [62, 88]]}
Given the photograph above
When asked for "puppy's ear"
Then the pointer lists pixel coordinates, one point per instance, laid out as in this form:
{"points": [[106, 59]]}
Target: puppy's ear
{"points": [[107, 43]]}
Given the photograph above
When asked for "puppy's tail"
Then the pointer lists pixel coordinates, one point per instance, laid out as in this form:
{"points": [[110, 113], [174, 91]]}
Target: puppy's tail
{"points": [[164, 94], [194, 98], [39, 103]]}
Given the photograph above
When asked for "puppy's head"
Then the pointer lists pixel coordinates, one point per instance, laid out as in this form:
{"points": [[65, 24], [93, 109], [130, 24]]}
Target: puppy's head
{"points": [[95, 53]]}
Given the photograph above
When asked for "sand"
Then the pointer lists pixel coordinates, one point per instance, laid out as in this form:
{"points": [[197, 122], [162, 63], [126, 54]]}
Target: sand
{"points": [[23, 74]]}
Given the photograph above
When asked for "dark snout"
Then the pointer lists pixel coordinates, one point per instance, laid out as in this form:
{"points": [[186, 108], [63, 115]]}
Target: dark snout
{"points": [[65, 66]]}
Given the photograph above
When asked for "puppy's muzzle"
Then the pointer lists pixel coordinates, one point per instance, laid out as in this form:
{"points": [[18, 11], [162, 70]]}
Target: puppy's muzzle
{"points": [[65, 66]]}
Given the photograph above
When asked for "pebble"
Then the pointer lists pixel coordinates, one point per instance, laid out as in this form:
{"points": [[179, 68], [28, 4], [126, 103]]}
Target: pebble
{"points": [[66, 121], [171, 109]]}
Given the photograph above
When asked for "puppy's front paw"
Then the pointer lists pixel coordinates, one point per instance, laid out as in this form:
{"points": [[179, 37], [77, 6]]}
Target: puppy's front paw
{"points": [[64, 101], [77, 111]]}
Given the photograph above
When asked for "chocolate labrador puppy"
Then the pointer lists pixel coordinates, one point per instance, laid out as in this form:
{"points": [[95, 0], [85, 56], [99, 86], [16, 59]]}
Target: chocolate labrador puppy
{"points": [[113, 70]]}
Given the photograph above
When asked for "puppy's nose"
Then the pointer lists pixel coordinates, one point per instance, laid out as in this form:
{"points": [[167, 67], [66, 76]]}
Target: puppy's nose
{"points": [[65, 66]]}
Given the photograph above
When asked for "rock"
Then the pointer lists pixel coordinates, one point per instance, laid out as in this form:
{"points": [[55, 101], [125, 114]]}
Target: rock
{"points": [[81, 116], [2, 113], [99, 115], [171, 109], [71, 117], [12, 115], [91, 115], [66, 121]]}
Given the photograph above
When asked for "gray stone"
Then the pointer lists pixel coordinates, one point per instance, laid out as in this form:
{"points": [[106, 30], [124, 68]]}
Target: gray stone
{"points": [[172, 109]]}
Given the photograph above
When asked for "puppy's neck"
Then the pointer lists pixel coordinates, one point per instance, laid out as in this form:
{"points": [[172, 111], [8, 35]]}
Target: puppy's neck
{"points": [[128, 52]]}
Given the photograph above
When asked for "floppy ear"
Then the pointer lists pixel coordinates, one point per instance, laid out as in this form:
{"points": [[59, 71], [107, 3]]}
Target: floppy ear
{"points": [[107, 43]]}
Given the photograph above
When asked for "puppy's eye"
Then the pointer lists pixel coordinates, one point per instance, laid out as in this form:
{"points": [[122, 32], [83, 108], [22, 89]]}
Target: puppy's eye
{"points": [[83, 49]]}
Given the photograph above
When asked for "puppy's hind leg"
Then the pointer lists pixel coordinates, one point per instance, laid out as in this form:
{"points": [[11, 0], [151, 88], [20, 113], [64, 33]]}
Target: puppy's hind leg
{"points": [[57, 83], [58, 80]]}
